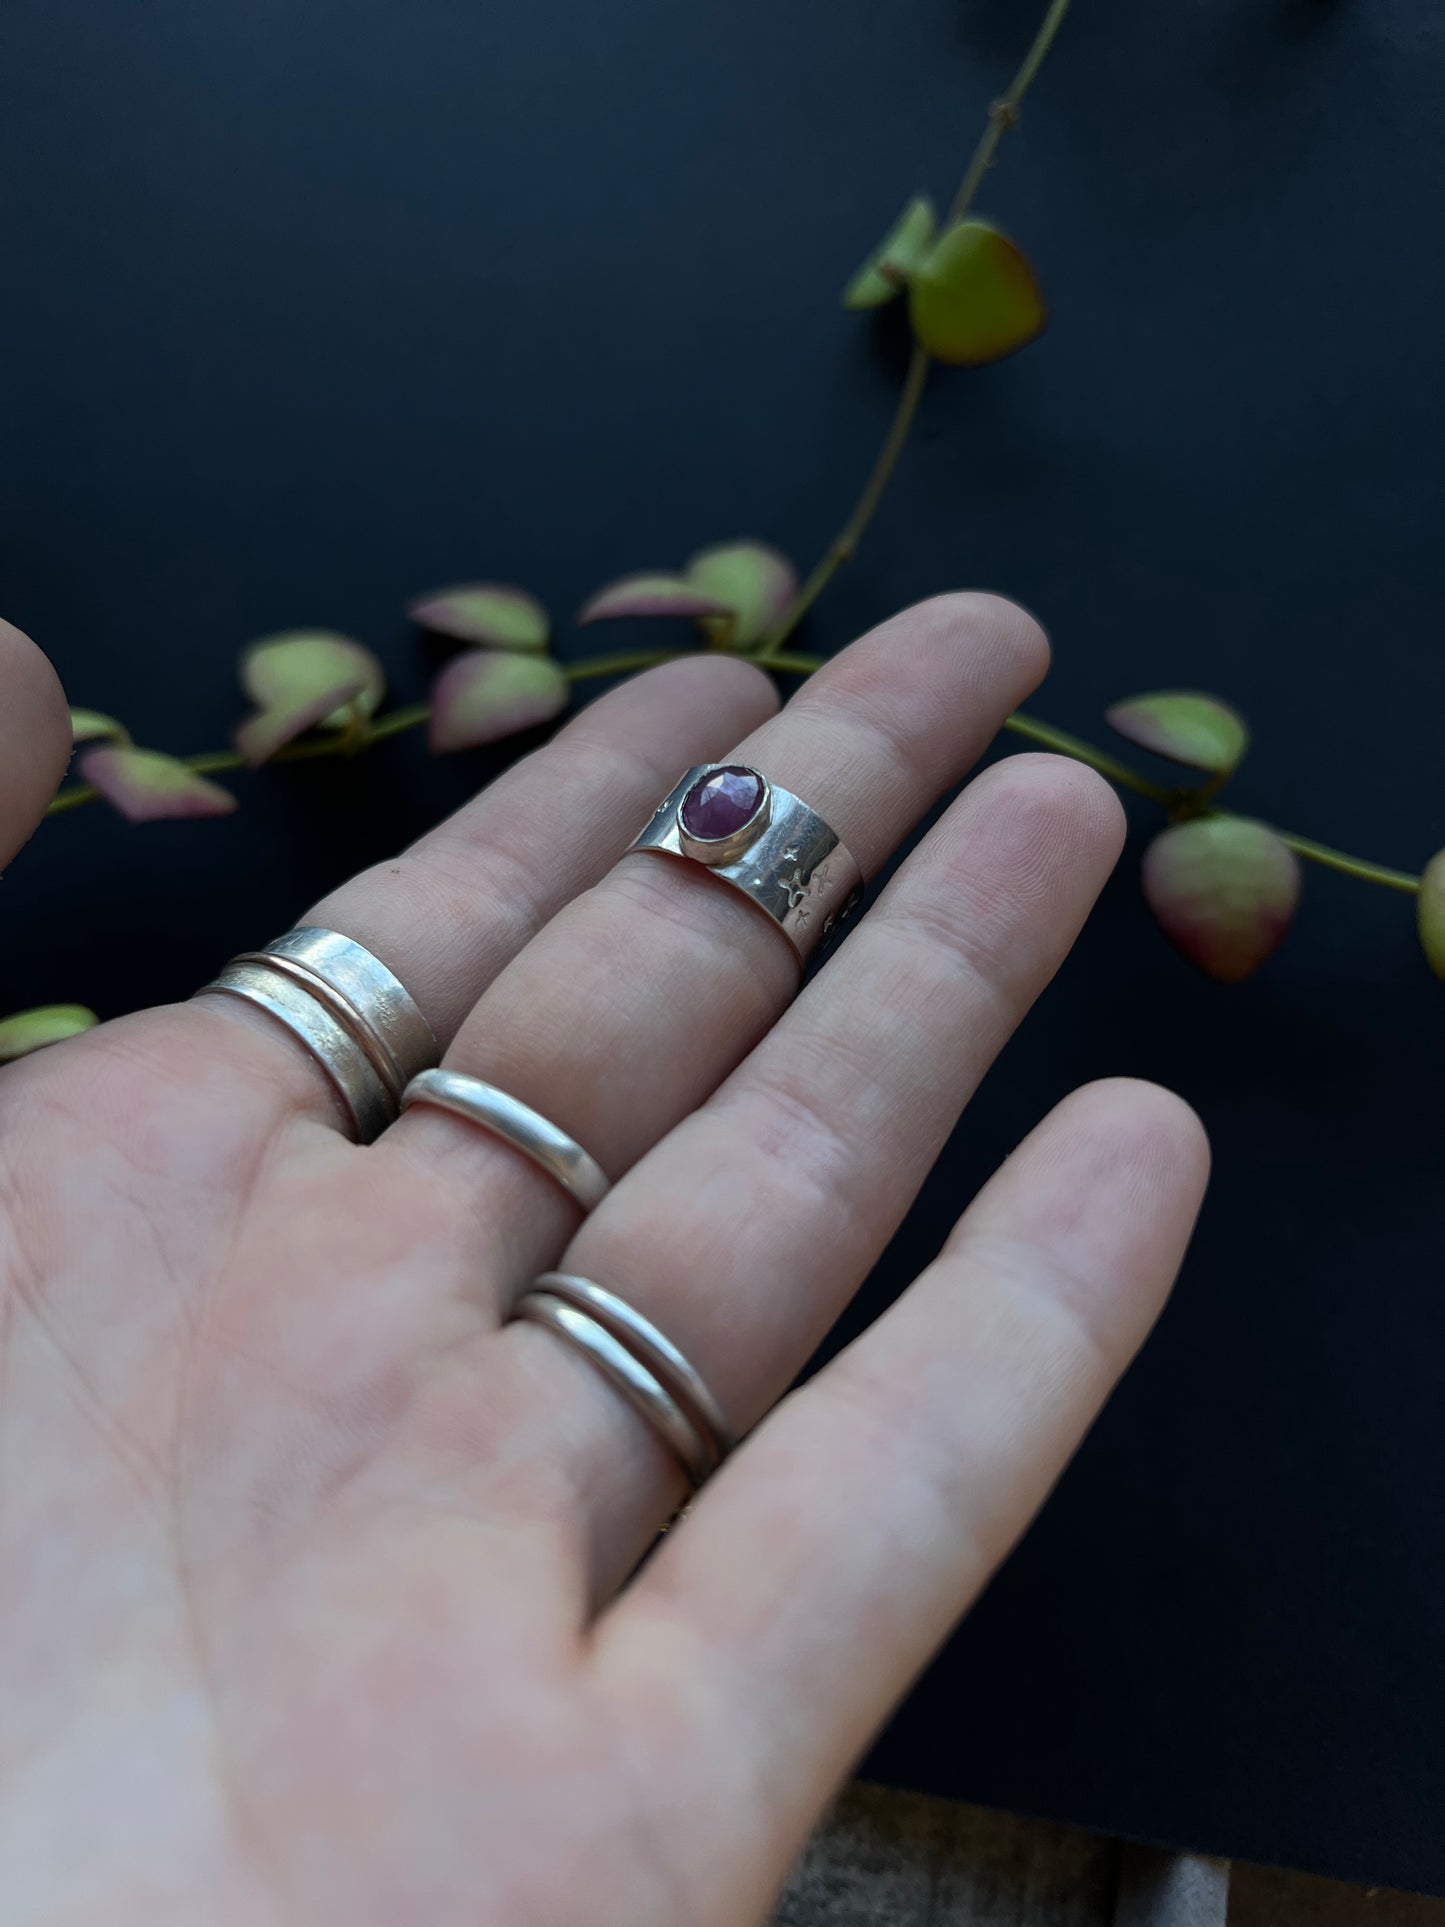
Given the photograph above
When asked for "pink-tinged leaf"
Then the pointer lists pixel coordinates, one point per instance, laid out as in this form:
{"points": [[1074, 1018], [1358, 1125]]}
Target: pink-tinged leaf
{"points": [[146, 786], [90, 726], [484, 696], [259, 738], [898, 255], [30, 1030], [1432, 913], [1224, 890], [652, 595], [756, 584], [291, 670], [484, 615], [1186, 726], [974, 299]]}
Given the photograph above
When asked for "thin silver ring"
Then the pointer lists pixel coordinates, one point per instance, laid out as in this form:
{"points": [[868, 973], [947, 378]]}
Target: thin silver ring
{"points": [[526, 1130], [651, 1347], [782, 856], [642, 1390], [335, 1049]]}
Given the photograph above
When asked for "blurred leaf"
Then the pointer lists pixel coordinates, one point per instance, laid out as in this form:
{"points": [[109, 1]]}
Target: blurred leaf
{"points": [[484, 696], [89, 726], [30, 1030], [897, 256], [1197, 730], [652, 595], [305, 679], [1224, 890], [1431, 904], [974, 298], [484, 615], [146, 786], [750, 579]]}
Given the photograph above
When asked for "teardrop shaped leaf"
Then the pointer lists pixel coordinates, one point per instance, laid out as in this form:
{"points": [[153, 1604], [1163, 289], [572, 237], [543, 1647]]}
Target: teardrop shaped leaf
{"points": [[1186, 726], [652, 594], [1224, 890], [259, 738], [292, 670], [974, 298], [30, 1030], [90, 726], [146, 786], [1431, 908], [752, 580], [484, 615], [485, 695], [901, 251]]}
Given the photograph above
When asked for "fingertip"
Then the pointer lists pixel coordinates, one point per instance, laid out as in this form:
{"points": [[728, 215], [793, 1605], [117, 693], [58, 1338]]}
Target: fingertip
{"points": [[35, 737]]}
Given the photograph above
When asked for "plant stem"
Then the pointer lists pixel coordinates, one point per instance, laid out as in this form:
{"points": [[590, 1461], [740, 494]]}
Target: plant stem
{"points": [[1002, 115], [1120, 774], [1350, 866]]}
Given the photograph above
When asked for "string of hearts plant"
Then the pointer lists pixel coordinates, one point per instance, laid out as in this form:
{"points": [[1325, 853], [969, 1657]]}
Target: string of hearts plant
{"points": [[1223, 886]]}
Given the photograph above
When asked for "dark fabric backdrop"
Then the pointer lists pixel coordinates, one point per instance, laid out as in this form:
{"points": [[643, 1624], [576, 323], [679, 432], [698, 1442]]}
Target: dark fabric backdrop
{"points": [[311, 307]]}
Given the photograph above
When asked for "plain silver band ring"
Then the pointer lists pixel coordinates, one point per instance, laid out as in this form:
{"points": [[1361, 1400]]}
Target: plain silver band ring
{"points": [[643, 1392], [651, 1347], [526, 1130], [391, 1028], [334, 1047]]}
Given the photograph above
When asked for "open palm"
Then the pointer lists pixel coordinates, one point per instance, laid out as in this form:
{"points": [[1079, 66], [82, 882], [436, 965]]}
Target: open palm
{"points": [[322, 1586]]}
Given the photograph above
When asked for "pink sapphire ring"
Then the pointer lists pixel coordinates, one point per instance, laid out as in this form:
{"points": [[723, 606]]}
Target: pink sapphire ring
{"points": [[765, 842]]}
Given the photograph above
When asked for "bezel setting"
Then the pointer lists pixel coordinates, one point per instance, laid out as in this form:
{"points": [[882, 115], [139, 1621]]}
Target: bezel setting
{"points": [[721, 850]]}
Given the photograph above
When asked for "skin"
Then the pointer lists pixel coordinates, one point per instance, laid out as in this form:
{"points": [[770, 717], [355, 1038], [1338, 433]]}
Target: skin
{"points": [[319, 1581]]}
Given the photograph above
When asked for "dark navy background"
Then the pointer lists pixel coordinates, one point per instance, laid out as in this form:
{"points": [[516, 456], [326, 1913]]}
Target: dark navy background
{"points": [[312, 307]]}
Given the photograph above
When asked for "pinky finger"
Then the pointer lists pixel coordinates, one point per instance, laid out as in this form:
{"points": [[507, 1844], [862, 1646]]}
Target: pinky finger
{"points": [[834, 1554]]}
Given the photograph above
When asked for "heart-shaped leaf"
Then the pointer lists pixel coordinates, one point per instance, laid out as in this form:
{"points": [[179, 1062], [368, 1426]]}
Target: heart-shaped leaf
{"points": [[652, 594], [30, 1030], [1190, 728], [974, 299], [146, 786], [305, 679], [1224, 890], [484, 615], [755, 582], [897, 256], [485, 695], [1431, 910], [90, 726]]}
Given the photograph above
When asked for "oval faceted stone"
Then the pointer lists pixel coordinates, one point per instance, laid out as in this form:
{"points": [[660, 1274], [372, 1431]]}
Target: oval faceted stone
{"points": [[721, 803]]}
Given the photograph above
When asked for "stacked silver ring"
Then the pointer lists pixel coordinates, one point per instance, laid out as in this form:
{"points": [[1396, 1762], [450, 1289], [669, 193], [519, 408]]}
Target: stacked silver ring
{"points": [[347, 1009], [640, 1362]]}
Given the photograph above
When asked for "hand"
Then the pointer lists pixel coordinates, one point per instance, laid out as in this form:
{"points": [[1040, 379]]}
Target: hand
{"points": [[319, 1580]]}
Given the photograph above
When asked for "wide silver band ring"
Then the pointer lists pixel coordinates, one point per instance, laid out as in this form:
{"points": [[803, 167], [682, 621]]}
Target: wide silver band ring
{"points": [[765, 842], [536, 1137], [351, 1013], [639, 1362]]}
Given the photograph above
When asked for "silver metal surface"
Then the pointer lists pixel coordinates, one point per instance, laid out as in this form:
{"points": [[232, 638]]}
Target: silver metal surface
{"points": [[560, 1156], [391, 1028], [366, 1099], [642, 1390], [651, 1347], [792, 865]]}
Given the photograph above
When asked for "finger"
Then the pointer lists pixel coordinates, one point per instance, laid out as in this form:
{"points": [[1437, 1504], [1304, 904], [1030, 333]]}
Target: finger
{"points": [[631, 1005], [785, 1617], [747, 1231], [448, 915], [34, 738]]}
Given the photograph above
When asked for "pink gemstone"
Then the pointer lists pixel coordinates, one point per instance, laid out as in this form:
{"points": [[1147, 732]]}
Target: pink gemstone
{"points": [[721, 803]]}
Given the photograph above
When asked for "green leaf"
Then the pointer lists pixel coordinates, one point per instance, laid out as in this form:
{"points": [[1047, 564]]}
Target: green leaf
{"points": [[974, 298], [1224, 891], [1431, 909], [485, 695], [305, 679], [754, 582], [484, 615], [1190, 728], [30, 1030], [89, 726], [146, 786], [898, 255], [652, 594]]}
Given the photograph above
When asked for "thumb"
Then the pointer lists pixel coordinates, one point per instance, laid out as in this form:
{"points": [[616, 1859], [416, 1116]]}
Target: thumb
{"points": [[34, 738]]}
